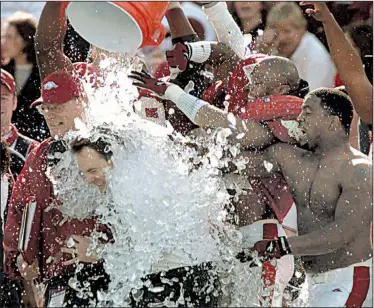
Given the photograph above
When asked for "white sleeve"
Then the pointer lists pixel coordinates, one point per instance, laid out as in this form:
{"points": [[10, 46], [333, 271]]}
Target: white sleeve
{"points": [[227, 30], [320, 72], [188, 104]]}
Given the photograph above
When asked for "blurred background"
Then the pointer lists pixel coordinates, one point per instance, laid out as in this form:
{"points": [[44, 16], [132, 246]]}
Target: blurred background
{"points": [[257, 20]]}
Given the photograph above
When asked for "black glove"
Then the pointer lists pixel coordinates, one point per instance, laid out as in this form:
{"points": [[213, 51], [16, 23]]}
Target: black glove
{"points": [[267, 249], [271, 249], [145, 81]]}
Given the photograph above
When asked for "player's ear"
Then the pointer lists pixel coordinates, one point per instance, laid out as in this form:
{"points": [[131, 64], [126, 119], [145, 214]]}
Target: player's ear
{"points": [[283, 89], [335, 123], [15, 101]]}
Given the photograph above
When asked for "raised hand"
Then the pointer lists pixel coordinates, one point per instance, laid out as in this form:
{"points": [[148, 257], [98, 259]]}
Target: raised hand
{"points": [[178, 58], [267, 43], [320, 11], [145, 81]]}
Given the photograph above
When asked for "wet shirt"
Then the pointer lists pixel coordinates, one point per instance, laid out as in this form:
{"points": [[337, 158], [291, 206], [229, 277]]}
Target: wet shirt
{"points": [[55, 230]]}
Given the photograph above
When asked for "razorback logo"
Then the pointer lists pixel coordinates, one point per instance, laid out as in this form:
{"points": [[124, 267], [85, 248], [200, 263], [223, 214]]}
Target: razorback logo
{"points": [[50, 85], [270, 247]]}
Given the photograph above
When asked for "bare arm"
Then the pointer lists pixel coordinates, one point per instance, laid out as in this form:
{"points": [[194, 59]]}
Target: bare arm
{"points": [[353, 133], [248, 132], [353, 215], [347, 61], [182, 31], [180, 27], [49, 38], [269, 161]]}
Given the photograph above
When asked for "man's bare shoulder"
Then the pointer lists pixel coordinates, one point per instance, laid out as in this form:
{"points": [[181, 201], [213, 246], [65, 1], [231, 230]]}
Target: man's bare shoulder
{"points": [[357, 159], [357, 154], [357, 170]]}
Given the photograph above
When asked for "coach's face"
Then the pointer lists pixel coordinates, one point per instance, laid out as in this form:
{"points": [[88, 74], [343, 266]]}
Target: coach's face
{"points": [[60, 118], [94, 167]]}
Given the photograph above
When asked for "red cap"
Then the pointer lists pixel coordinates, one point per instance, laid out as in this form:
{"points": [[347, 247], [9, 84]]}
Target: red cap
{"points": [[8, 81], [59, 88]]}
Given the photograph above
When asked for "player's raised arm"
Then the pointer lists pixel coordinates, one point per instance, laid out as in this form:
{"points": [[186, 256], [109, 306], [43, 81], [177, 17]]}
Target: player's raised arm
{"points": [[49, 38], [211, 53], [347, 61], [227, 29], [248, 132]]}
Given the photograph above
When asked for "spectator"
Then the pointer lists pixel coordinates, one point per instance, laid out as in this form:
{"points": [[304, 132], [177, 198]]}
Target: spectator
{"points": [[293, 41], [20, 145], [17, 44], [4, 60], [362, 12], [251, 19], [361, 37]]}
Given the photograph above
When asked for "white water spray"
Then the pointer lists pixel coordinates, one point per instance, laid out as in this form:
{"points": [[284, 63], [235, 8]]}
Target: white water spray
{"points": [[163, 209]]}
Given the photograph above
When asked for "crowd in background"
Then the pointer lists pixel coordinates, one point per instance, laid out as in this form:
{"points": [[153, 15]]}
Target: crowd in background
{"points": [[255, 19]]}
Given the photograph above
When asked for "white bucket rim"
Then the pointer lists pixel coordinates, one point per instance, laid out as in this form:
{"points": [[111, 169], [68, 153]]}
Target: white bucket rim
{"points": [[133, 19], [118, 7]]}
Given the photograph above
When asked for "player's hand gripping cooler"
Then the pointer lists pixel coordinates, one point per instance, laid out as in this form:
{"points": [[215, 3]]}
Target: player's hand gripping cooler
{"points": [[268, 238]]}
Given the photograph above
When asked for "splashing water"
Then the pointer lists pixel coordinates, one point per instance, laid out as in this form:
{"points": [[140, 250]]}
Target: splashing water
{"points": [[162, 212], [165, 200]]}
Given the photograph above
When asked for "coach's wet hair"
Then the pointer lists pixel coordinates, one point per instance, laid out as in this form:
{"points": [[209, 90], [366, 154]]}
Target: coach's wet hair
{"points": [[99, 144]]}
